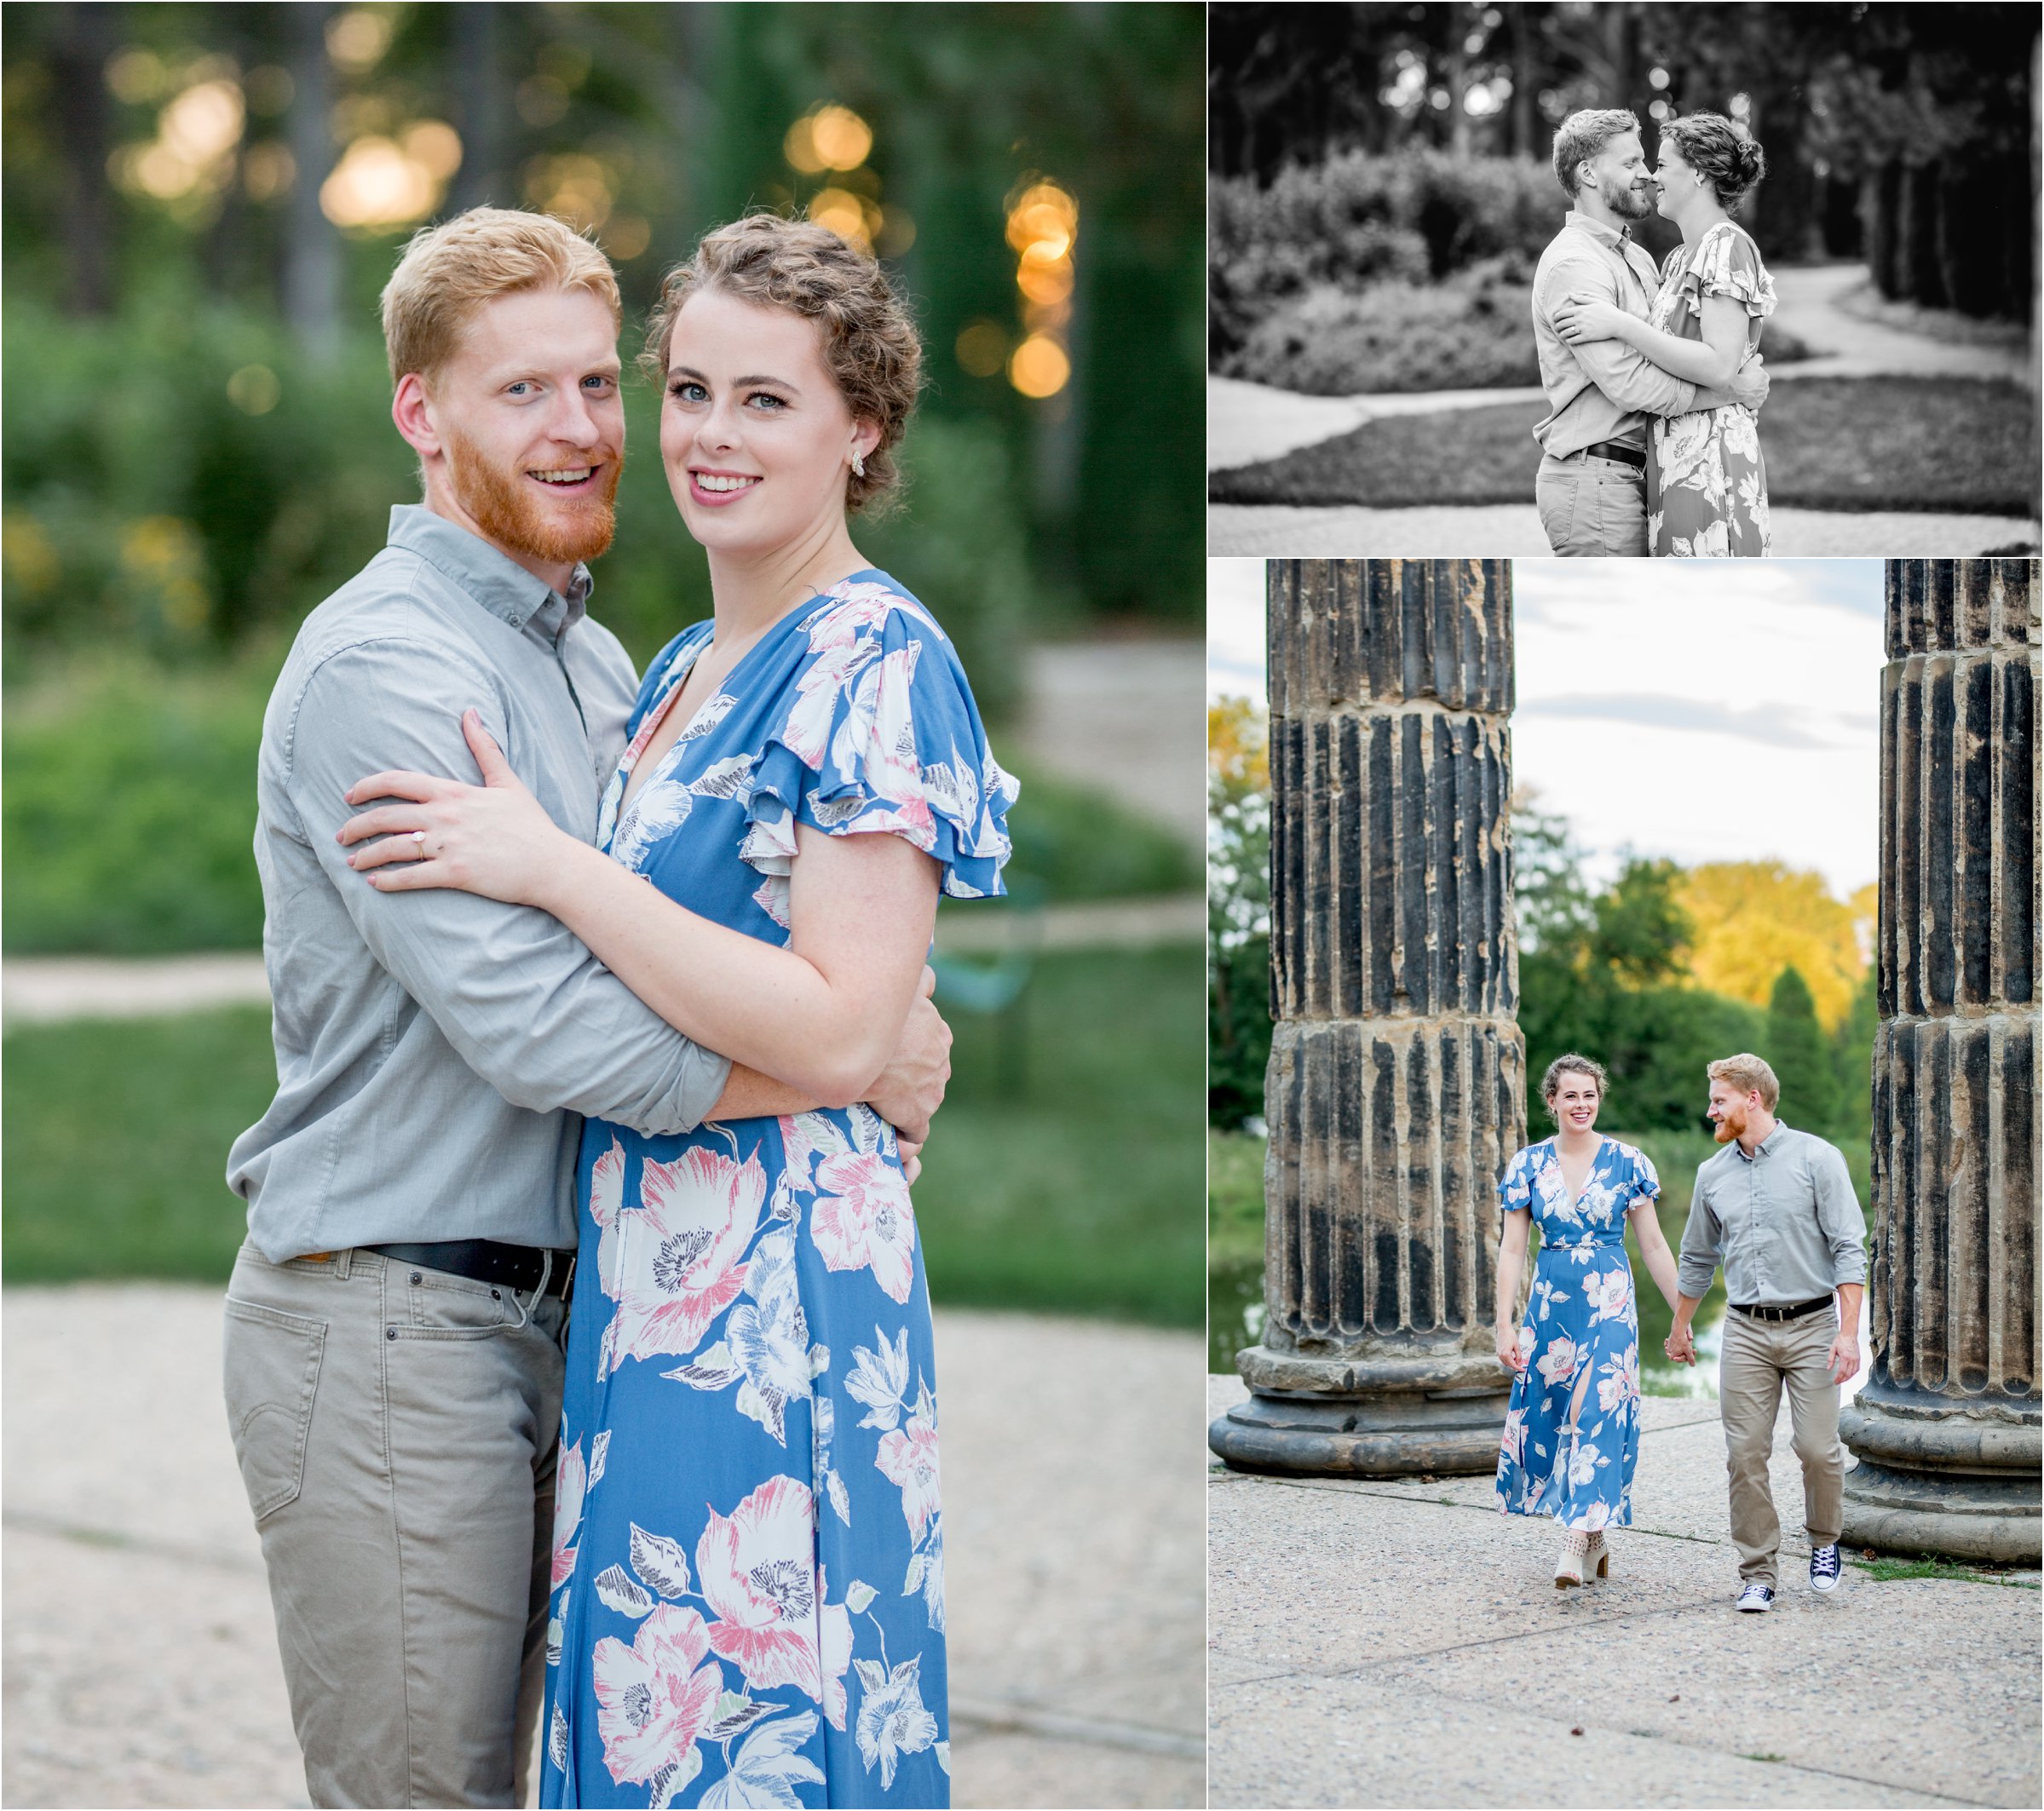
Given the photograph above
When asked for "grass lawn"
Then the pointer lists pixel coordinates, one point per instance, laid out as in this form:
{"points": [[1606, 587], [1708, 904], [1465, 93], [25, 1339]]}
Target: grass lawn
{"points": [[1078, 1193], [1235, 1244], [1831, 443]]}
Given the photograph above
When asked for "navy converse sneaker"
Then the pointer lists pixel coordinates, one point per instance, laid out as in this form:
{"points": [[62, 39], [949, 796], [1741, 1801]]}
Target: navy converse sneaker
{"points": [[1823, 1568], [1756, 1597]]}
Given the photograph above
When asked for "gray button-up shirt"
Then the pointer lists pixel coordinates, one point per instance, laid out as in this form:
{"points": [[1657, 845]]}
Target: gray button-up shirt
{"points": [[1603, 390], [435, 1048], [1785, 1220]]}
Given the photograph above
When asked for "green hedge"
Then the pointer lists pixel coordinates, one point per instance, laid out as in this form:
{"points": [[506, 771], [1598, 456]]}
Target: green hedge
{"points": [[129, 809]]}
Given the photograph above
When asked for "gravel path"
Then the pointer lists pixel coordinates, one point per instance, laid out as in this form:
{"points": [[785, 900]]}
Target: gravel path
{"points": [[1396, 1643], [1513, 530], [1127, 718], [38, 990], [1834, 309], [139, 1658]]}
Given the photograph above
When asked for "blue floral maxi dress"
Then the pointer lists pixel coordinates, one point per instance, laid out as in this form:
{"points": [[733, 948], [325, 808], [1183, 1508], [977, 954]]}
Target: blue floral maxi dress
{"points": [[1706, 483], [748, 1555], [1572, 1432]]}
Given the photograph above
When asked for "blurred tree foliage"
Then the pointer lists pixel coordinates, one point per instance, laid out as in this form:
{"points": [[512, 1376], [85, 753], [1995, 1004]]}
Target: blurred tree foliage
{"points": [[196, 444], [1900, 132], [1610, 973], [1754, 920], [1238, 909]]}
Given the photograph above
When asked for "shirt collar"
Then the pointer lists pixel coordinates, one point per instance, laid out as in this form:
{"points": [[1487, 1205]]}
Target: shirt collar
{"points": [[1616, 241], [493, 579], [1766, 1145]]}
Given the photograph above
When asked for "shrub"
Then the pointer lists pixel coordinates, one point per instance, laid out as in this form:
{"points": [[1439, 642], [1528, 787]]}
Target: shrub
{"points": [[1473, 331], [129, 814], [1359, 220], [130, 811]]}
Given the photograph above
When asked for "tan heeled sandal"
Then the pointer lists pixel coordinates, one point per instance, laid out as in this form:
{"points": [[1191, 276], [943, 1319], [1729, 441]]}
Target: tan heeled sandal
{"points": [[1569, 1563]]}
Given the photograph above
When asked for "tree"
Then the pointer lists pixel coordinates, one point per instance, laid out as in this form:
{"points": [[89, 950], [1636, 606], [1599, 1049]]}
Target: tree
{"points": [[1238, 909], [1754, 919], [1853, 1064], [1802, 1057]]}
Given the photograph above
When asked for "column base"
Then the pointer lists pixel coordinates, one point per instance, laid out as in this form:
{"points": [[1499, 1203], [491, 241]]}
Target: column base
{"points": [[1440, 1415], [1944, 1479]]}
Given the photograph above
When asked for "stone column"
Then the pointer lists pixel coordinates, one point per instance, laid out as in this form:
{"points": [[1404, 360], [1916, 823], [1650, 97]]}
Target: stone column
{"points": [[1947, 1429], [1396, 1089]]}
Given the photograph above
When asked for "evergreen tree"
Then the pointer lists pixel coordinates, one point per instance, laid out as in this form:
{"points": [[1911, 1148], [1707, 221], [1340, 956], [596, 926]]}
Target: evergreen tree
{"points": [[1802, 1059], [1852, 1063]]}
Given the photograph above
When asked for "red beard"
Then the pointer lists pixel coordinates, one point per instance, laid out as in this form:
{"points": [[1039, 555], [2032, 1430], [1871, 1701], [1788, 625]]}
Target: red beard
{"points": [[513, 517]]}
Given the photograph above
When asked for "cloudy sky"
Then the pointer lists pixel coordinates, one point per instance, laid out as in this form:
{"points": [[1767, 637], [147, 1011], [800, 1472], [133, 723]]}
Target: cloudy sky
{"points": [[1707, 711]]}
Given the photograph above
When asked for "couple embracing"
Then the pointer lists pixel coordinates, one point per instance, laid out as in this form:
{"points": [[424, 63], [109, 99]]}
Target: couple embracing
{"points": [[1653, 379], [581, 1341], [1777, 1207]]}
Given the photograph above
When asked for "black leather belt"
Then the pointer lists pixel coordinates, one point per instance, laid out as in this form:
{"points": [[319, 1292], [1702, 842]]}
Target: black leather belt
{"points": [[1613, 450], [484, 1261], [1795, 1311]]}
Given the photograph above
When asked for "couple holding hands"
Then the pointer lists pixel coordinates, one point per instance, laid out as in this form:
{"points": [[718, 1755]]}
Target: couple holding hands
{"points": [[1777, 1207]]}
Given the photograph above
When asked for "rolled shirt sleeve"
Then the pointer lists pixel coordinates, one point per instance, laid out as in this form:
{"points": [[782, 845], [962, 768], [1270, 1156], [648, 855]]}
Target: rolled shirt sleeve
{"points": [[1702, 1240], [518, 996]]}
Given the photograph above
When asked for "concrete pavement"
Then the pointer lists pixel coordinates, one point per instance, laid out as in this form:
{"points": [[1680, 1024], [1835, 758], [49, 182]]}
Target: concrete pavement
{"points": [[139, 1658], [1396, 1643], [1512, 531]]}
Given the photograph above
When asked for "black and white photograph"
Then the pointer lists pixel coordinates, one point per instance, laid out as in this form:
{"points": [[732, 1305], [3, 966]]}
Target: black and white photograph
{"points": [[1622, 279]]}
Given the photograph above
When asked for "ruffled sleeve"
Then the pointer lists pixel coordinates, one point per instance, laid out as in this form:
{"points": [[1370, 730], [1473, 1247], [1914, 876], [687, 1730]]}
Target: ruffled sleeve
{"points": [[1515, 1189], [1728, 263], [882, 736], [1644, 1185]]}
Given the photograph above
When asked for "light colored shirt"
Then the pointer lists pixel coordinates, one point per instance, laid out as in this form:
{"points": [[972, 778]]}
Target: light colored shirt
{"points": [[1603, 390], [435, 1048], [1785, 1220]]}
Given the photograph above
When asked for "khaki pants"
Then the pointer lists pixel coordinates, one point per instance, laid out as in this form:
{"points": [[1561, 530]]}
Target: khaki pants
{"points": [[1760, 1357], [1592, 507], [396, 1429]]}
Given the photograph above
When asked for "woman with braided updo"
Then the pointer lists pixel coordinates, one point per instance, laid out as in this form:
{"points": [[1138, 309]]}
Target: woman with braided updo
{"points": [[1707, 482]]}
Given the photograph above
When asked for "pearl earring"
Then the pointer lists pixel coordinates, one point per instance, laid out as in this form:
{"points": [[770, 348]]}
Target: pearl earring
{"points": [[858, 463]]}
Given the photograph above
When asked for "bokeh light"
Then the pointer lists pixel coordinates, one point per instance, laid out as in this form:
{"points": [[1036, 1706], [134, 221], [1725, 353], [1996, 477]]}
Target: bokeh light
{"points": [[267, 170], [375, 185], [1043, 227], [1041, 367], [846, 214], [830, 137], [574, 186], [981, 349], [435, 146], [357, 39], [626, 235], [193, 148], [254, 390]]}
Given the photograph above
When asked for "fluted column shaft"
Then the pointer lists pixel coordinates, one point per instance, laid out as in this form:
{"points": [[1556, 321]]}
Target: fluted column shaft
{"points": [[1397, 1068], [1947, 1429]]}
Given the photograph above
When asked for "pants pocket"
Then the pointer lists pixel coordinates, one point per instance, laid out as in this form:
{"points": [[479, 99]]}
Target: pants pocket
{"points": [[272, 1375], [439, 1305], [1556, 493]]}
